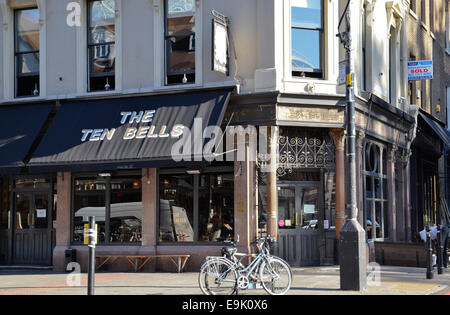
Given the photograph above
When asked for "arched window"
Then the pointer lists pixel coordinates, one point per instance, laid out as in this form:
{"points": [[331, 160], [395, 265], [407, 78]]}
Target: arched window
{"points": [[375, 191]]}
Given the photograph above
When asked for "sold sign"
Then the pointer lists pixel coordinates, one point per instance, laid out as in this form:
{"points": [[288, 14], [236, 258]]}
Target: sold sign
{"points": [[420, 70]]}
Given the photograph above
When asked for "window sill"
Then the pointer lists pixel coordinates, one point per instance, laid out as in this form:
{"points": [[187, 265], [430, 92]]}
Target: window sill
{"points": [[413, 14], [309, 80], [424, 26], [447, 51], [23, 99]]}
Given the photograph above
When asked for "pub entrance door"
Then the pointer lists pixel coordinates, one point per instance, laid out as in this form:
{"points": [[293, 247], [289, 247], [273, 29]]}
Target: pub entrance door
{"points": [[32, 228], [300, 217]]}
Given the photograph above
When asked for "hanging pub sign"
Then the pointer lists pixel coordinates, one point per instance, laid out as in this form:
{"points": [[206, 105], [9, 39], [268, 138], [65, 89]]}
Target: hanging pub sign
{"points": [[420, 70], [220, 43]]}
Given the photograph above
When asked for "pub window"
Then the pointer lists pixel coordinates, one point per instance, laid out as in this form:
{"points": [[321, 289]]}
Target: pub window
{"points": [[307, 33], [375, 191], [216, 207], [180, 41], [101, 45], [116, 203], [196, 208], [26, 52]]}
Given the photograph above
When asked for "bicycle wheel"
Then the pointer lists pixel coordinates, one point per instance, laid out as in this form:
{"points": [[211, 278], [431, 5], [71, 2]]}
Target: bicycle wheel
{"points": [[275, 276], [218, 277]]}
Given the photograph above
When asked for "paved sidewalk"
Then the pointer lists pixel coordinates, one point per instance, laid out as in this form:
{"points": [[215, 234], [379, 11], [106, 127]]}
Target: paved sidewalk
{"points": [[307, 281]]}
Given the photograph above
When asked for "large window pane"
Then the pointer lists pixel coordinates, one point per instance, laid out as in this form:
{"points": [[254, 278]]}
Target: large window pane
{"points": [[306, 50], [102, 58], [27, 30], [216, 207], [89, 200], [181, 54], [307, 13], [101, 21], [176, 208], [286, 208], [27, 63], [126, 210]]}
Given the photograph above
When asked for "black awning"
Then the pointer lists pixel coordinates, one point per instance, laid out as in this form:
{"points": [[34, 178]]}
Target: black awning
{"points": [[438, 129], [131, 132], [19, 130]]}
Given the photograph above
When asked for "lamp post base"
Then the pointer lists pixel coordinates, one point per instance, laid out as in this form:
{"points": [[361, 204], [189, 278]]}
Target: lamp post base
{"points": [[352, 257]]}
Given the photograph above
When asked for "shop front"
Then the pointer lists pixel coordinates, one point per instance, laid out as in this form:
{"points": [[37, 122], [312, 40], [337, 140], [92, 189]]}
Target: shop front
{"points": [[135, 163]]}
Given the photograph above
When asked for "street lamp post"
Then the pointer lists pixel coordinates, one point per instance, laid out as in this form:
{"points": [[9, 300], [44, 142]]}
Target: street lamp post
{"points": [[352, 240]]}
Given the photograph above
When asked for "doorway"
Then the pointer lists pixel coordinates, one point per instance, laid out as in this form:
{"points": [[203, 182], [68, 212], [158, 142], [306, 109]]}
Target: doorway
{"points": [[32, 223], [300, 222]]}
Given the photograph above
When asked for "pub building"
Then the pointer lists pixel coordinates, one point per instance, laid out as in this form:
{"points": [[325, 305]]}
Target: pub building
{"points": [[113, 158], [129, 148]]}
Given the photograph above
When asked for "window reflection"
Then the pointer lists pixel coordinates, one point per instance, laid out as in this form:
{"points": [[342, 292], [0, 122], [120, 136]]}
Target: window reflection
{"points": [[26, 51], [307, 38], [216, 207], [89, 200], [176, 212], [180, 41], [126, 210]]}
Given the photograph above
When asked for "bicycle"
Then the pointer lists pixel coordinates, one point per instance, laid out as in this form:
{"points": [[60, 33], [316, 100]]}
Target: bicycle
{"points": [[229, 274]]}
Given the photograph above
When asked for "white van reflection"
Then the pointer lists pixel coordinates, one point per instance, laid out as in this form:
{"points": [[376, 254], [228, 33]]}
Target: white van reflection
{"points": [[125, 222]]}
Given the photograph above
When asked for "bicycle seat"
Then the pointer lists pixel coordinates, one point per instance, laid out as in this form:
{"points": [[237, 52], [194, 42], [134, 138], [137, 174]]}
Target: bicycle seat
{"points": [[228, 251]]}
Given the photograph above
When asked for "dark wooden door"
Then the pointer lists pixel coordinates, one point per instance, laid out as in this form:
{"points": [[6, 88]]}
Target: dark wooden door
{"points": [[300, 216], [32, 243]]}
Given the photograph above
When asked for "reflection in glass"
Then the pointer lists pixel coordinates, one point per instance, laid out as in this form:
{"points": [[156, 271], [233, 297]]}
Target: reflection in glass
{"points": [[126, 210], [180, 41], [89, 200], [24, 218], [330, 198], [101, 21], [307, 14], [306, 34], [101, 45], [305, 50], [102, 58], [27, 30], [4, 204], [216, 207], [26, 52], [310, 211], [27, 63], [176, 212], [181, 53], [286, 208]]}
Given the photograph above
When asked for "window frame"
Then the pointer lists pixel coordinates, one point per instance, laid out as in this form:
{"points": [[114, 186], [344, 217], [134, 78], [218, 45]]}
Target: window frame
{"points": [[90, 73], [167, 37], [196, 210], [17, 53], [382, 200], [322, 45]]}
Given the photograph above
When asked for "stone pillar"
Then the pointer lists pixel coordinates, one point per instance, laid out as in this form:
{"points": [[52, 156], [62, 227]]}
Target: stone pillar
{"points": [[243, 197], [360, 136], [390, 171], [338, 136], [149, 203], [272, 193], [63, 219]]}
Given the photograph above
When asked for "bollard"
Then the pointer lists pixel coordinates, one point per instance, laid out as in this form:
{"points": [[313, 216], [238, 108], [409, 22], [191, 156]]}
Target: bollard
{"points": [[429, 249], [440, 252], [91, 267]]}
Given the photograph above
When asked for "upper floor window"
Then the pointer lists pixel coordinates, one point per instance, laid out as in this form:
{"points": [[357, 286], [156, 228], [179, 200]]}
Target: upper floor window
{"points": [[179, 38], [101, 45], [26, 52], [307, 33]]}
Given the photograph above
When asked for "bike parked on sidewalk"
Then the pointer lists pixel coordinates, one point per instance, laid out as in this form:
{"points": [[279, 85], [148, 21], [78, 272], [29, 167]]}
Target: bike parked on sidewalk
{"points": [[228, 274]]}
